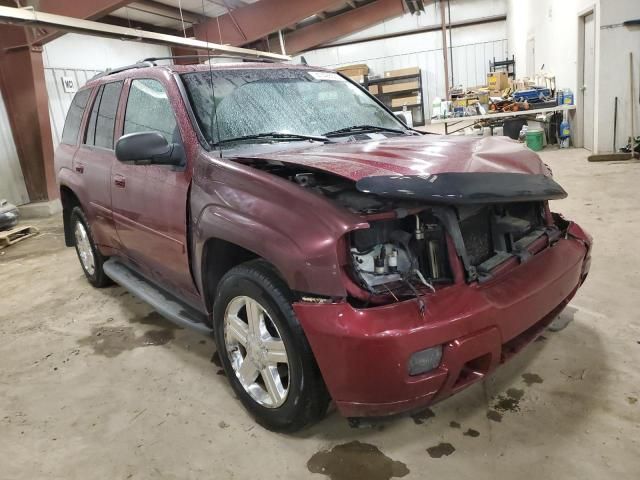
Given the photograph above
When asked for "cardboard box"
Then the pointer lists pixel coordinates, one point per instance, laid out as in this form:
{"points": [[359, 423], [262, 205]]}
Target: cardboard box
{"points": [[399, 87], [374, 89], [402, 72], [354, 70], [497, 80], [460, 102], [402, 101]]}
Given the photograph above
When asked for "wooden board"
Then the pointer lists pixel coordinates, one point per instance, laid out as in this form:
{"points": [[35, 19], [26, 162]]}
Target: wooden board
{"points": [[15, 235]]}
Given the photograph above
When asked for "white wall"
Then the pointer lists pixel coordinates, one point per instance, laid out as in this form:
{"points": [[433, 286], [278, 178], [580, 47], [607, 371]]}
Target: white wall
{"points": [[84, 52], [473, 46], [615, 44], [555, 26], [12, 186], [81, 57]]}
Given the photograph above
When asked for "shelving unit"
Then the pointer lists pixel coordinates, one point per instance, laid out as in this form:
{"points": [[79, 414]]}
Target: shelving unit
{"points": [[506, 65], [417, 108]]}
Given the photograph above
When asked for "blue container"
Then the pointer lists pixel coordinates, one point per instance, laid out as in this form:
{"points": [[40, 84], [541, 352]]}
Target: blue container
{"points": [[560, 97], [567, 97]]}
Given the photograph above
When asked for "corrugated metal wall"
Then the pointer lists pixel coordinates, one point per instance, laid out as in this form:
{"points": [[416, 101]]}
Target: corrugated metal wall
{"points": [[59, 100], [12, 185], [470, 64]]}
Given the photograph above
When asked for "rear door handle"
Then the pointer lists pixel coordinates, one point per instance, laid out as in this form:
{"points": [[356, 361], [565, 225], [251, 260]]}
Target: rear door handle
{"points": [[79, 168], [119, 181]]}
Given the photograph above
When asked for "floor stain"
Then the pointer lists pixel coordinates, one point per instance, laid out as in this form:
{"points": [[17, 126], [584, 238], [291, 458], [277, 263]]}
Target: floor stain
{"points": [[454, 424], [443, 449], [422, 416], [541, 338], [356, 460], [531, 378], [494, 416], [155, 319], [471, 433], [632, 400], [112, 341], [515, 393]]}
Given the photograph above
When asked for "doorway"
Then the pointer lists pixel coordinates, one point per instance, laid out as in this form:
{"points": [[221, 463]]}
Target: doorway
{"points": [[588, 76]]}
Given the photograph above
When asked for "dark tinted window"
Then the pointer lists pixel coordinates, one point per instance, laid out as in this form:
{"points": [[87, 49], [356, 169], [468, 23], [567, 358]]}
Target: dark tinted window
{"points": [[74, 117], [107, 115], [91, 127], [149, 110]]}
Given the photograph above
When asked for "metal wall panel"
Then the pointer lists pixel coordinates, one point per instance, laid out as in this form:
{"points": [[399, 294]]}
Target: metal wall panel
{"points": [[470, 64], [12, 185]]}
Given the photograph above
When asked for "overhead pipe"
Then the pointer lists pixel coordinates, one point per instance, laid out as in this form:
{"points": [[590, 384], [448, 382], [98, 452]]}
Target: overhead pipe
{"points": [[29, 17]]}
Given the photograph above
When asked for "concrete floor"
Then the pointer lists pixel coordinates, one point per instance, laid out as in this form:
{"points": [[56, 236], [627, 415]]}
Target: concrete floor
{"points": [[95, 385]]}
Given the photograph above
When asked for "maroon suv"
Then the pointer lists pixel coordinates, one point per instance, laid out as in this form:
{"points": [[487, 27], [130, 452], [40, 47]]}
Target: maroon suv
{"points": [[333, 252]]}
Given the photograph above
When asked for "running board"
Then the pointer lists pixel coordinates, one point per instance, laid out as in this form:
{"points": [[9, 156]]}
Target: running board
{"points": [[166, 304]]}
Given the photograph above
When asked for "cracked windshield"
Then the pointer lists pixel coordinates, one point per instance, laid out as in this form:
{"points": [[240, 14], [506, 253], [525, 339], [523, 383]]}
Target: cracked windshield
{"points": [[266, 101]]}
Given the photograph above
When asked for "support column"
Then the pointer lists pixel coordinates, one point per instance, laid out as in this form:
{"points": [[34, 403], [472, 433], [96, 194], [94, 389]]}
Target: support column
{"points": [[23, 87]]}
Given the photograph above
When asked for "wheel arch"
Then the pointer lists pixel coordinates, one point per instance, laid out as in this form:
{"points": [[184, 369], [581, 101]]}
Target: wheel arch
{"points": [[69, 200]]}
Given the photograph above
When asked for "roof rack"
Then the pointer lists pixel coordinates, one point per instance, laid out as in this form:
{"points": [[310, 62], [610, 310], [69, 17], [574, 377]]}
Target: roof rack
{"points": [[244, 58], [113, 71], [152, 62]]}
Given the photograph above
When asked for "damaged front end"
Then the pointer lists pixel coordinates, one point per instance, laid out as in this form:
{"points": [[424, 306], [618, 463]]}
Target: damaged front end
{"points": [[446, 229]]}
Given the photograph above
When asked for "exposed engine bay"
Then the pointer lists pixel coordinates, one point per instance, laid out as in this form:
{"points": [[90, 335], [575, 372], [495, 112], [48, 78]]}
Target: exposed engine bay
{"points": [[406, 249]]}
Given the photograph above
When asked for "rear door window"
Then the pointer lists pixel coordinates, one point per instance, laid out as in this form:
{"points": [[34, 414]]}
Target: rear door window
{"points": [[149, 110], [106, 121], [74, 117], [102, 120]]}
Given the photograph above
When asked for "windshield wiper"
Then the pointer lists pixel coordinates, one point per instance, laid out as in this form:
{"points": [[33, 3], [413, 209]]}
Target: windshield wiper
{"points": [[277, 136], [365, 128]]}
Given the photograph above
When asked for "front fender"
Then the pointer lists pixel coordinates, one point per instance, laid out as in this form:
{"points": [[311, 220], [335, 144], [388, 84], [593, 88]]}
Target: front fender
{"points": [[297, 231], [320, 274]]}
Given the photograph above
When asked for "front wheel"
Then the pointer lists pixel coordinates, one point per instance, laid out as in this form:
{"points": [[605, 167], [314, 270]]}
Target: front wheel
{"points": [[90, 257], [264, 351]]}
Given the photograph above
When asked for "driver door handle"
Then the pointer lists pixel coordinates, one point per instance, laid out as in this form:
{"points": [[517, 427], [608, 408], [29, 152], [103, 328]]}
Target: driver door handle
{"points": [[119, 181]]}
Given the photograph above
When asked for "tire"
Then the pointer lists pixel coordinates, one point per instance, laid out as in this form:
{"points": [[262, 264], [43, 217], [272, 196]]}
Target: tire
{"points": [[83, 242], [306, 398]]}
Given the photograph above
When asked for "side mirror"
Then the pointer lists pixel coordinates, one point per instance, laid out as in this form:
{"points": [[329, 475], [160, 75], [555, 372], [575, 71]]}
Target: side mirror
{"points": [[148, 147]]}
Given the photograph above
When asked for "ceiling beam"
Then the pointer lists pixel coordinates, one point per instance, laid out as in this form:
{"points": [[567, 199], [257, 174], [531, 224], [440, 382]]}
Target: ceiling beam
{"points": [[338, 26], [87, 9], [24, 17], [254, 21], [160, 9], [124, 22]]}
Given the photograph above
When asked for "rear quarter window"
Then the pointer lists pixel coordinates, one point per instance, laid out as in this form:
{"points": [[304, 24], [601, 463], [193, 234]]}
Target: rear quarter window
{"points": [[74, 117]]}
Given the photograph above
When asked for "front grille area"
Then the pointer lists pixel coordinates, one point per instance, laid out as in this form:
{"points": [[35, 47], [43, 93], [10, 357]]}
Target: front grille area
{"points": [[493, 229], [476, 232]]}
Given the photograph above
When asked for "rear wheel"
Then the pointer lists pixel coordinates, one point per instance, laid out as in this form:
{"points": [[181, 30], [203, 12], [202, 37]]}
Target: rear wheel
{"points": [[264, 352], [90, 257]]}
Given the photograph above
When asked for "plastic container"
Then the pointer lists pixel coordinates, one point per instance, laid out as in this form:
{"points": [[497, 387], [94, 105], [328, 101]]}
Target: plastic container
{"points": [[560, 97], [567, 97], [535, 140], [8, 215], [523, 133]]}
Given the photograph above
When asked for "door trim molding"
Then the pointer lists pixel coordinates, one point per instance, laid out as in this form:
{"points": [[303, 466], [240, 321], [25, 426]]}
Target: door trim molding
{"points": [[117, 217]]}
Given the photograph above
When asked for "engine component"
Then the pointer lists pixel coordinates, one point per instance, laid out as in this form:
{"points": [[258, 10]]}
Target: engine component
{"points": [[408, 252]]}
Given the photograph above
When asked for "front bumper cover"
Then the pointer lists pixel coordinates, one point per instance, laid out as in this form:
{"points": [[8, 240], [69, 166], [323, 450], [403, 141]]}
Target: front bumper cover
{"points": [[363, 353]]}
